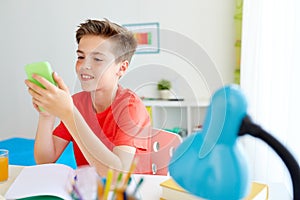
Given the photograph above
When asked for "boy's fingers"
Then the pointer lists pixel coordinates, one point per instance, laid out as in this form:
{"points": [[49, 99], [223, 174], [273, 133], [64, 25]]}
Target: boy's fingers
{"points": [[43, 81], [32, 86], [60, 82]]}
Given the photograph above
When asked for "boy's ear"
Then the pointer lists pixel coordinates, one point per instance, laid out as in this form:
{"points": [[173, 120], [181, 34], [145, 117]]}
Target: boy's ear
{"points": [[123, 67]]}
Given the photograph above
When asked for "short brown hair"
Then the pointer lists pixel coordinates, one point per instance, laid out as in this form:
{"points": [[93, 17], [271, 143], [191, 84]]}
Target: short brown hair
{"points": [[124, 41]]}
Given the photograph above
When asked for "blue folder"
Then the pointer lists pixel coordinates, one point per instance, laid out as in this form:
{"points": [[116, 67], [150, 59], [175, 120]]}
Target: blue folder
{"points": [[21, 152]]}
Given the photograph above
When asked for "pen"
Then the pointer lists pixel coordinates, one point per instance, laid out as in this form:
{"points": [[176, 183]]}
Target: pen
{"points": [[129, 181], [108, 183], [138, 186], [76, 192], [124, 195]]}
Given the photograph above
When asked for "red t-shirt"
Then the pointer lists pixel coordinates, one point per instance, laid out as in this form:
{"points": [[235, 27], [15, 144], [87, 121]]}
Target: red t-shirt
{"points": [[125, 122]]}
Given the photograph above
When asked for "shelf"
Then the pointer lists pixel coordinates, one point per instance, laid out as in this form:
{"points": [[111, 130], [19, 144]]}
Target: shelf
{"points": [[168, 103], [185, 115]]}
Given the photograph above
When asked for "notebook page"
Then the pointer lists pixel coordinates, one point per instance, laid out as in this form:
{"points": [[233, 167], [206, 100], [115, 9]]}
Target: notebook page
{"points": [[46, 179]]}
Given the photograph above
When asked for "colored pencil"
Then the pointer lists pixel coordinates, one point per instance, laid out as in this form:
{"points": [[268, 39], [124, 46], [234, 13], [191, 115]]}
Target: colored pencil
{"points": [[108, 183]]}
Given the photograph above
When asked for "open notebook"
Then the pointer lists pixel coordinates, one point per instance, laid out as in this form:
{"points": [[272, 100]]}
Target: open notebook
{"points": [[42, 180], [56, 181]]}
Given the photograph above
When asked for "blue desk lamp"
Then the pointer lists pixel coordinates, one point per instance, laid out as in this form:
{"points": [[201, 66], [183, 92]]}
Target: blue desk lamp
{"points": [[210, 164]]}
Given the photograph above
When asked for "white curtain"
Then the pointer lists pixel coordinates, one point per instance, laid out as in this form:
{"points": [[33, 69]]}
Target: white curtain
{"points": [[270, 78]]}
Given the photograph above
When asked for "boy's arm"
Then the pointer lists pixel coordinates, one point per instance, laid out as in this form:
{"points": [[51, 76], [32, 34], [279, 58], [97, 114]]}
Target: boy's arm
{"points": [[47, 148], [96, 153]]}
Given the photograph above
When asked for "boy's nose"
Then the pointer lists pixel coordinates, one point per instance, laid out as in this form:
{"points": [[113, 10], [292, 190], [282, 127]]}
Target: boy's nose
{"points": [[86, 65]]}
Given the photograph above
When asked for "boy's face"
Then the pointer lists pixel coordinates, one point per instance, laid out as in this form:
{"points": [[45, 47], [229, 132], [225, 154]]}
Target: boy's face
{"points": [[95, 67]]}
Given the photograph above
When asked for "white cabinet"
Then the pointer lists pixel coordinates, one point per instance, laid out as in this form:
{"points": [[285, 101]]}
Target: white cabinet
{"points": [[176, 114]]}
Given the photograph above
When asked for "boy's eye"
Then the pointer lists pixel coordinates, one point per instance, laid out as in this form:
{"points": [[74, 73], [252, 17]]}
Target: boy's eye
{"points": [[80, 57], [97, 59]]}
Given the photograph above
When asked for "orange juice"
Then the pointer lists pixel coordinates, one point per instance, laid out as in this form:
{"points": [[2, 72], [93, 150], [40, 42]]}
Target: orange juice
{"points": [[3, 168]]}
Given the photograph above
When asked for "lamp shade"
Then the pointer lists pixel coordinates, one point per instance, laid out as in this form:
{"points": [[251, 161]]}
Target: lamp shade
{"points": [[210, 163]]}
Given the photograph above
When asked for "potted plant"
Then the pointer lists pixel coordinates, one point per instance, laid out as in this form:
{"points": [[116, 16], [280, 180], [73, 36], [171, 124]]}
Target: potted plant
{"points": [[164, 86]]}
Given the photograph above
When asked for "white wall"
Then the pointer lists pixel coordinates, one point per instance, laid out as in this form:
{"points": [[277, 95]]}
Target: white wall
{"points": [[45, 30]]}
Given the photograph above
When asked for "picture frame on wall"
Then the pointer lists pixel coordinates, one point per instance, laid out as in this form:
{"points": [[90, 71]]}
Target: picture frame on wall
{"points": [[147, 35]]}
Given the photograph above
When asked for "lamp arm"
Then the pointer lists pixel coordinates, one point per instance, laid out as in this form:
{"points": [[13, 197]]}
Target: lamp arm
{"points": [[248, 127]]}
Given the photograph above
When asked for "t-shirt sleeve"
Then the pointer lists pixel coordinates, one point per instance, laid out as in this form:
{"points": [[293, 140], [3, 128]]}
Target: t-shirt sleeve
{"points": [[62, 132]]}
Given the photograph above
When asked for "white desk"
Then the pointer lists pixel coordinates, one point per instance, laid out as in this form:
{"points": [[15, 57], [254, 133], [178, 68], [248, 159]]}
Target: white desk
{"points": [[149, 190]]}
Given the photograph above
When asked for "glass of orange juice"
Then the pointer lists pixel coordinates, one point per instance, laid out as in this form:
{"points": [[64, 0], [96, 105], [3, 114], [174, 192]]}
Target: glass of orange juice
{"points": [[3, 165]]}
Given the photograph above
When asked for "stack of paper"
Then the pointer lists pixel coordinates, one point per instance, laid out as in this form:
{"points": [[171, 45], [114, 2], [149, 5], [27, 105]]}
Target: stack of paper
{"points": [[172, 191]]}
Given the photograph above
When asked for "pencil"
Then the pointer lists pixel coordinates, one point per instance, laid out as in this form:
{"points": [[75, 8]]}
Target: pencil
{"points": [[117, 184], [119, 195], [100, 189], [108, 183], [132, 168]]}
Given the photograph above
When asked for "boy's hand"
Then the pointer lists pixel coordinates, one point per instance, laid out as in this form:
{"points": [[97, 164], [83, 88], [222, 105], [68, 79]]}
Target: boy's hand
{"points": [[54, 100]]}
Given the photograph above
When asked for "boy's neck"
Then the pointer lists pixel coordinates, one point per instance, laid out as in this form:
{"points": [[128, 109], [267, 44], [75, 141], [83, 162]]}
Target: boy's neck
{"points": [[103, 99]]}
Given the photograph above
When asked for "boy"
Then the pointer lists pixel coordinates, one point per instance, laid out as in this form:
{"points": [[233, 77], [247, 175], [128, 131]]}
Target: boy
{"points": [[108, 125]]}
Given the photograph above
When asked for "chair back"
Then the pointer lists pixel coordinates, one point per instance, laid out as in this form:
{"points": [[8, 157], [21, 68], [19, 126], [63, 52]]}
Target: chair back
{"points": [[163, 144]]}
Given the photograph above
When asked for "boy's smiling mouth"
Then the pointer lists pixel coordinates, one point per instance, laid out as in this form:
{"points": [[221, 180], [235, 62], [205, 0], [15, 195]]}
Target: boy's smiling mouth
{"points": [[86, 77]]}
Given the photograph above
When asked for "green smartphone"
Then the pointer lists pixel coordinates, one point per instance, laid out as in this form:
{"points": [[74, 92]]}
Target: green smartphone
{"points": [[40, 68]]}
